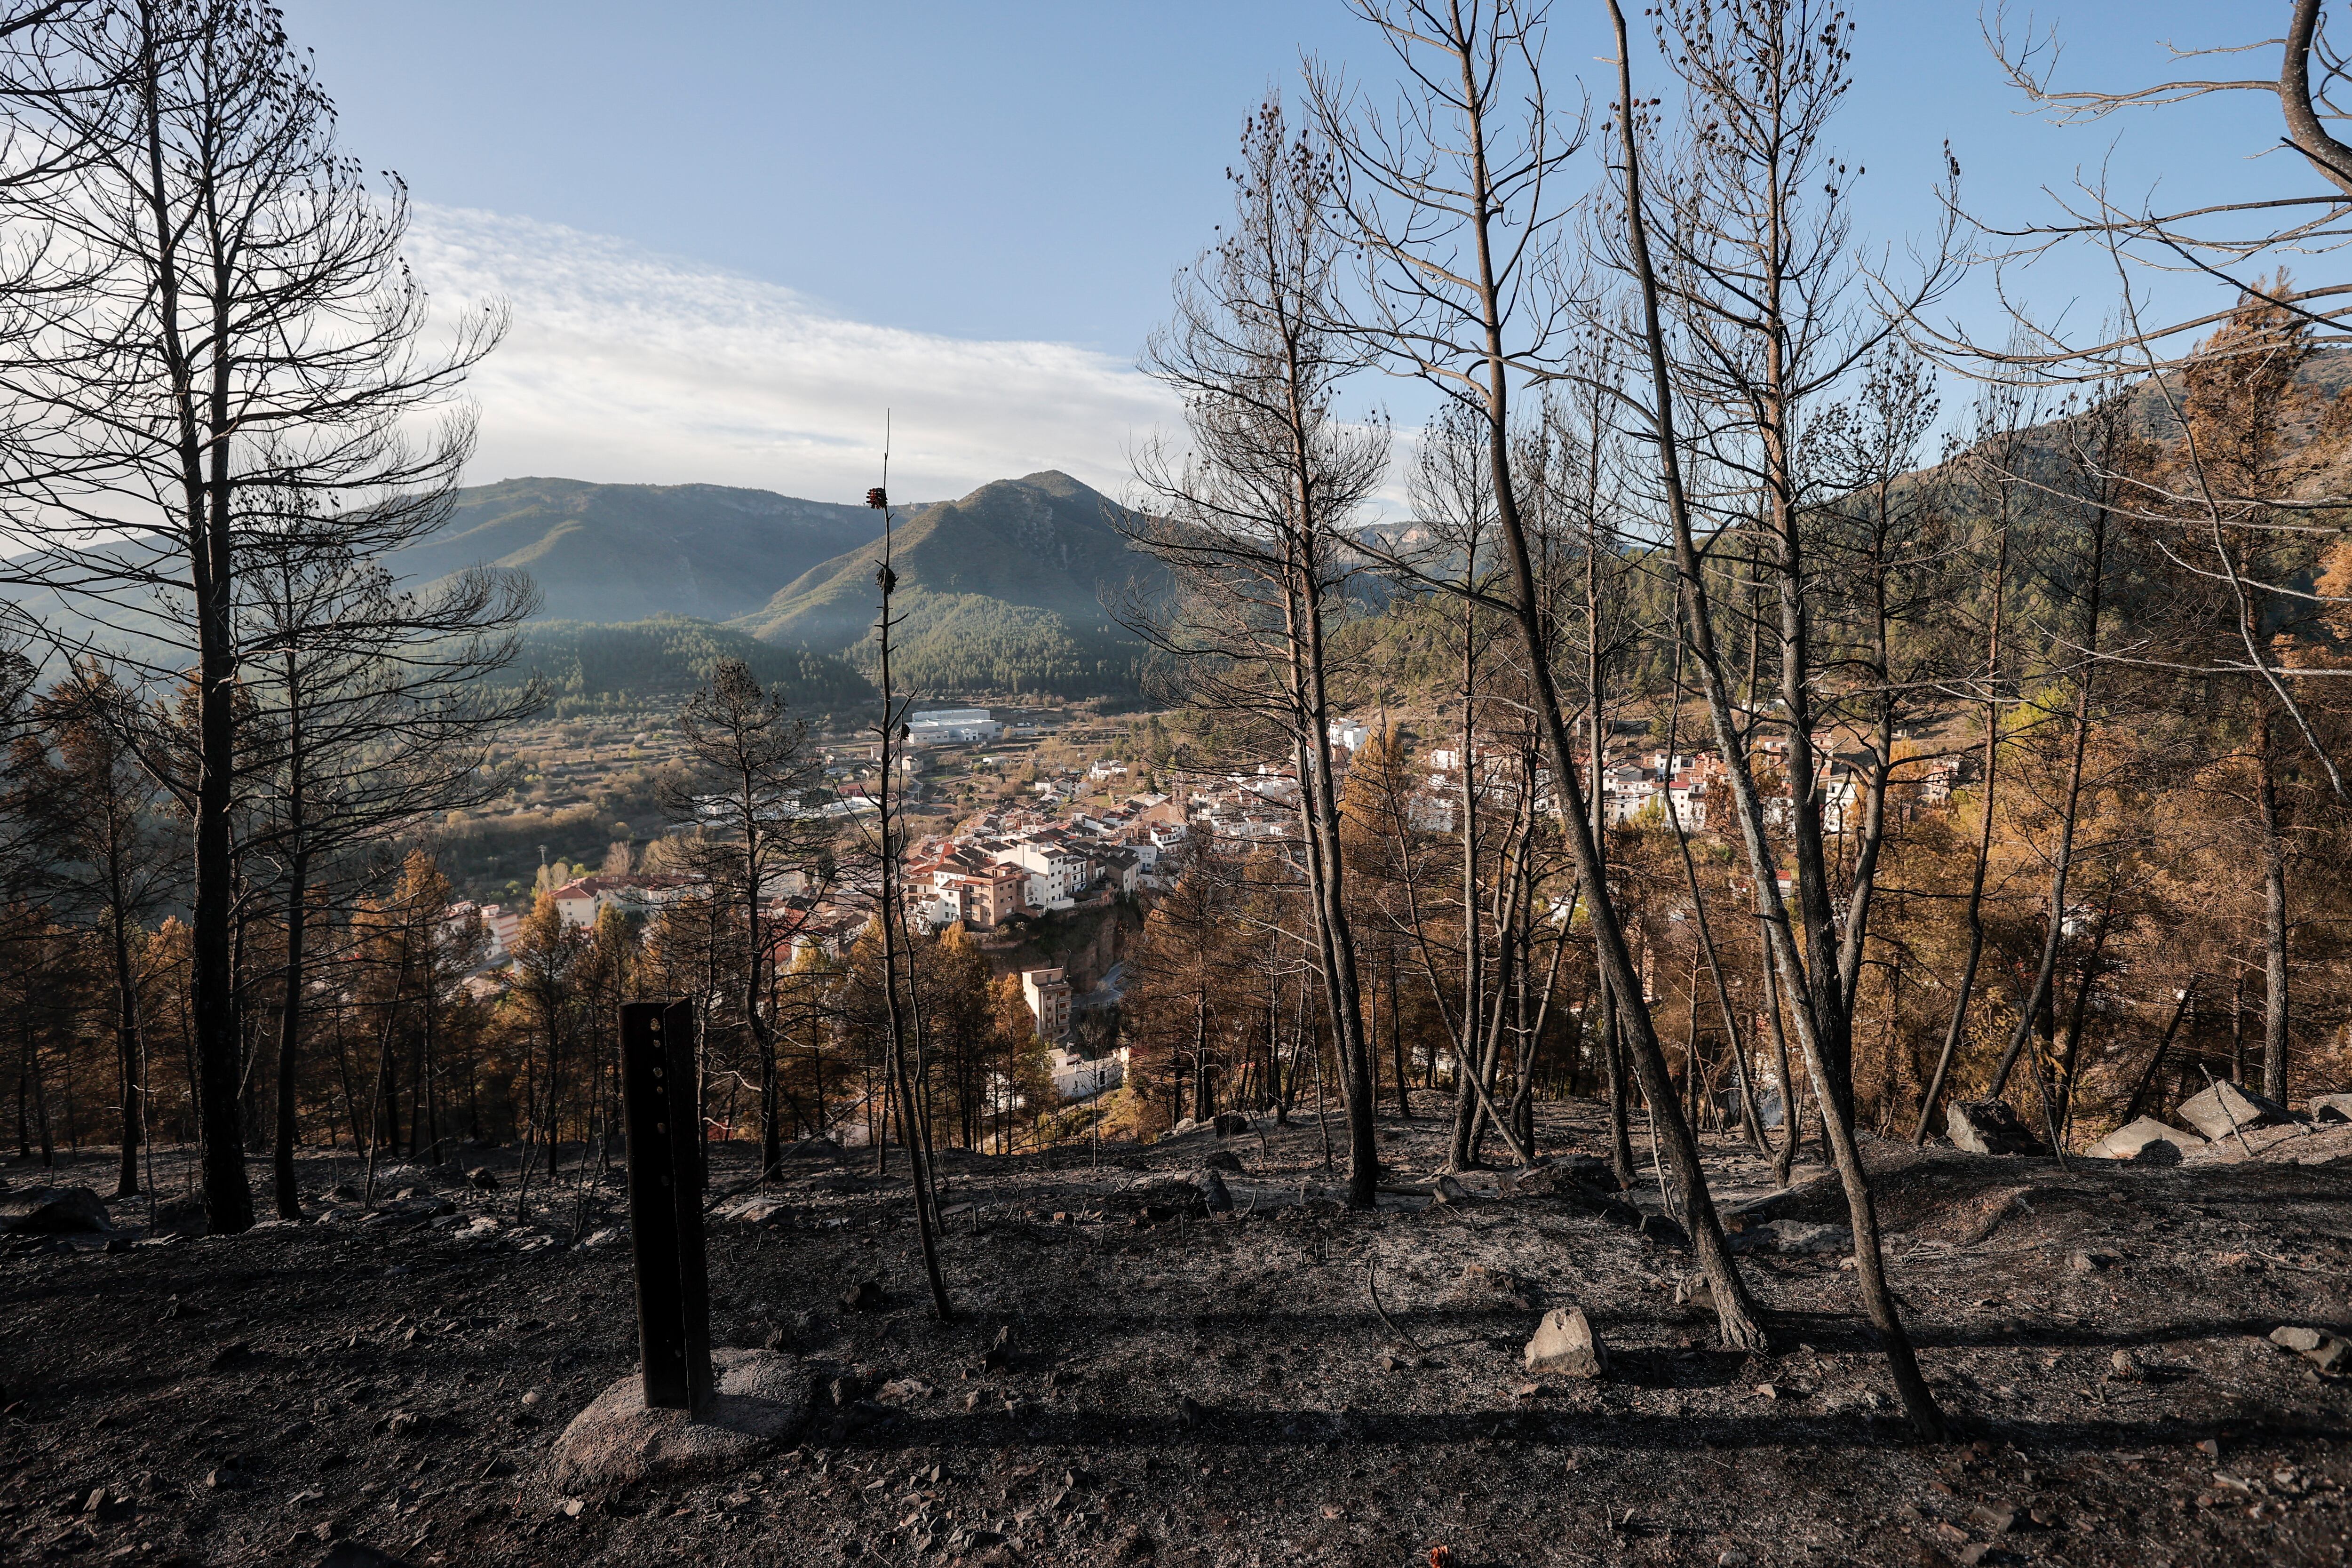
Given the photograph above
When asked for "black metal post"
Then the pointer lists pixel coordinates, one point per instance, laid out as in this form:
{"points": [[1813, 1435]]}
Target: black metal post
{"points": [[664, 1132]]}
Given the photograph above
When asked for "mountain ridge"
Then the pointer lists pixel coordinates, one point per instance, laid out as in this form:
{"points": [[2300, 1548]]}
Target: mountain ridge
{"points": [[1045, 541], [627, 553], [1001, 589]]}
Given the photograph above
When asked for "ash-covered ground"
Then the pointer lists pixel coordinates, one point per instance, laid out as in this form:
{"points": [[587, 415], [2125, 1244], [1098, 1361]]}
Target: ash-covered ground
{"points": [[1131, 1380]]}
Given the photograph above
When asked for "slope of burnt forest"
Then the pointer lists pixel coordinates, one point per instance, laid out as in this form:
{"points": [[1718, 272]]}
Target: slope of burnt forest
{"points": [[1131, 1380]]}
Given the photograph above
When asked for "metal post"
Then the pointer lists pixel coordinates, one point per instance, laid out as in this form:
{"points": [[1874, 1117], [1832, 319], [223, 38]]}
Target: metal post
{"points": [[664, 1132]]}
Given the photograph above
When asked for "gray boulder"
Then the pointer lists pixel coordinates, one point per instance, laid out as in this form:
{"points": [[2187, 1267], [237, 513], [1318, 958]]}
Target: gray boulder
{"points": [[1990, 1127], [54, 1210], [2225, 1109], [761, 1400], [1564, 1343], [2327, 1351], [2150, 1140], [2331, 1108], [1231, 1125]]}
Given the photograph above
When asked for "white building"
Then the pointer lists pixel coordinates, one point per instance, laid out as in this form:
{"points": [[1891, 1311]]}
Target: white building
{"points": [[1058, 873], [1350, 733], [583, 898], [1080, 1079], [1047, 991], [947, 726]]}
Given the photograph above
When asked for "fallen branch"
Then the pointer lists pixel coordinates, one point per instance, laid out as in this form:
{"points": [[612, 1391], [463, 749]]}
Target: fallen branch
{"points": [[1372, 1288]]}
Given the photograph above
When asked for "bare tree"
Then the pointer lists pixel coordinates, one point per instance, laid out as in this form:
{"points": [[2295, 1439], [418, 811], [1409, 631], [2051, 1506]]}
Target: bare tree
{"points": [[1254, 520], [2233, 241], [1451, 488], [371, 716], [1455, 200], [1752, 270], [220, 310], [749, 766], [1995, 459], [102, 819], [2094, 440], [2238, 243], [887, 847]]}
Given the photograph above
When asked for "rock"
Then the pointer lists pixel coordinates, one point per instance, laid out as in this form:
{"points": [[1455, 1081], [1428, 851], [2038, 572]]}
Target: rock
{"points": [[1449, 1190], [2225, 1107], [1187, 1125], [1213, 1194], [484, 1178], [1564, 1343], [1695, 1294], [904, 1391], [224, 1480], [761, 1400], [2331, 1108], [1990, 1127], [865, 1296], [1156, 1199], [1000, 1350], [1229, 1125], [763, 1211], [2150, 1140], [1190, 1413], [2091, 1262], [2323, 1350], [358, 1554], [54, 1210], [1993, 1520], [2124, 1367], [1223, 1159]]}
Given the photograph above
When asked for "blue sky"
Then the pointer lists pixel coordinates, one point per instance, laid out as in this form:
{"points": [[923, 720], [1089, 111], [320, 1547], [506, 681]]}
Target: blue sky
{"points": [[732, 232]]}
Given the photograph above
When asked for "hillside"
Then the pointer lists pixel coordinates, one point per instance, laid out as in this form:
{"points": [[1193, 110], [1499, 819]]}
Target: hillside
{"points": [[588, 667], [1009, 580], [624, 552], [1287, 1383]]}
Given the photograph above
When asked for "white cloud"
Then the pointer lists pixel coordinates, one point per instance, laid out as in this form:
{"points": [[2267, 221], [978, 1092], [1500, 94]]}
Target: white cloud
{"points": [[624, 366]]}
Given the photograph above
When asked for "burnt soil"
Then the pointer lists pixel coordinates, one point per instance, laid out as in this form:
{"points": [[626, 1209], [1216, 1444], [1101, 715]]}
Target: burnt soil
{"points": [[1180, 1390]]}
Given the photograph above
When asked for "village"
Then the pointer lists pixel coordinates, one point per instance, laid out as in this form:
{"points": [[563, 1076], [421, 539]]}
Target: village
{"points": [[1075, 846]]}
